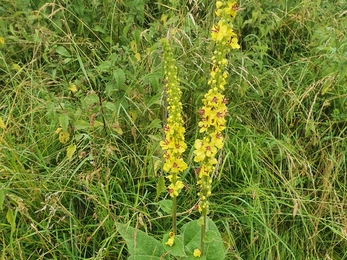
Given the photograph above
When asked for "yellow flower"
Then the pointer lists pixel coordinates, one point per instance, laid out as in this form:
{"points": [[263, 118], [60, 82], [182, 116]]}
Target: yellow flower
{"points": [[199, 151], [222, 32], [15, 67], [174, 189], [171, 239], [233, 43], [64, 137], [219, 12], [231, 9], [197, 253], [73, 88], [211, 150], [174, 165], [204, 170], [219, 4], [217, 139], [203, 149]]}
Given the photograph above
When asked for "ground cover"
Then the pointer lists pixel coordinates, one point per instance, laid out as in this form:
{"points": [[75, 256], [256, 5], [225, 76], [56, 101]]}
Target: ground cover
{"points": [[82, 109]]}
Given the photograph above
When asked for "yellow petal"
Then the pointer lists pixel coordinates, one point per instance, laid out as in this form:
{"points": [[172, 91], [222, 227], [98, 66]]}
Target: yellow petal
{"points": [[73, 88], [64, 137], [58, 130], [70, 150], [197, 253]]}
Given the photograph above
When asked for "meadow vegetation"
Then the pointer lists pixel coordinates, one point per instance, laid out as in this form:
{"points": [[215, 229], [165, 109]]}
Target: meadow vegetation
{"points": [[82, 110]]}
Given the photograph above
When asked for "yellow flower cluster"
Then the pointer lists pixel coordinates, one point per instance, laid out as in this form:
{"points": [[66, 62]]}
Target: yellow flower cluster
{"points": [[214, 108], [223, 31], [173, 145]]}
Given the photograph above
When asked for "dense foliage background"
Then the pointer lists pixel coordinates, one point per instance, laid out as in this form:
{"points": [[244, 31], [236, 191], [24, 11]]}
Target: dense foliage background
{"points": [[280, 188]]}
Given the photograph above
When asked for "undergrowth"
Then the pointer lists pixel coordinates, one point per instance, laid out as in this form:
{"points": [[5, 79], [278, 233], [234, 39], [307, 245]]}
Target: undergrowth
{"points": [[94, 69]]}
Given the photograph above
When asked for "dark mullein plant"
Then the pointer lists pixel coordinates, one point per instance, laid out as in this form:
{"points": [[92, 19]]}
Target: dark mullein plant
{"points": [[214, 108], [194, 241], [173, 145]]}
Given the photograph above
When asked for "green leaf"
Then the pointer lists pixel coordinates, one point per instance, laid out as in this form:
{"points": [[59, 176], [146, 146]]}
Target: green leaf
{"points": [[213, 241], [104, 66], [110, 105], [161, 186], [210, 236], [91, 99], [191, 257], [64, 121], [166, 205], [177, 249], [110, 88], [156, 123], [153, 79], [11, 219], [63, 51], [81, 124], [70, 150], [141, 245], [145, 257], [119, 76], [2, 198]]}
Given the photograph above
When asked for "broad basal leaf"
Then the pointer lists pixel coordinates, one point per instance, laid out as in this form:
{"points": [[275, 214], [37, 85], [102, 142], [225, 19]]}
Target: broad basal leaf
{"points": [[141, 245]]}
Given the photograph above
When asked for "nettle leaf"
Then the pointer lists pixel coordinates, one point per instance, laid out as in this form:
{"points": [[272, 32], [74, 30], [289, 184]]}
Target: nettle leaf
{"points": [[64, 121], [90, 100], [213, 241], [81, 124], [141, 245], [153, 79], [119, 76], [110, 88], [110, 106], [105, 66]]}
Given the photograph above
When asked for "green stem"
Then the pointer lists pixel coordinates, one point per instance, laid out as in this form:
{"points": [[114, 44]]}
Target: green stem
{"points": [[174, 206], [203, 231], [174, 212]]}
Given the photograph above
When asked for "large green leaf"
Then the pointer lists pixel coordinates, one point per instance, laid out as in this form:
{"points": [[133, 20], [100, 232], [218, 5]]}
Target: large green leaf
{"points": [[213, 241], [141, 246], [177, 249], [144, 257]]}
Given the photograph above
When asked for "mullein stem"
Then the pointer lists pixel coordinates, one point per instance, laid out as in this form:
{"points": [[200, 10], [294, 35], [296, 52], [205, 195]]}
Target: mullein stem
{"points": [[174, 207], [174, 215], [203, 231]]}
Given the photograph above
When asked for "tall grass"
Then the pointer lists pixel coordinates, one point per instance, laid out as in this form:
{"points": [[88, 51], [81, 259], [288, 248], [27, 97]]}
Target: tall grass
{"points": [[281, 183]]}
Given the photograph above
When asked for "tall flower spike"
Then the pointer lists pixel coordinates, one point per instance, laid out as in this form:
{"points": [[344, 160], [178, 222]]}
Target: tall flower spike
{"points": [[214, 108], [173, 145]]}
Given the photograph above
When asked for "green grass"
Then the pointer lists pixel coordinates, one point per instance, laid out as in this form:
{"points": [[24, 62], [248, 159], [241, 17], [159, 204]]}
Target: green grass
{"points": [[279, 192]]}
